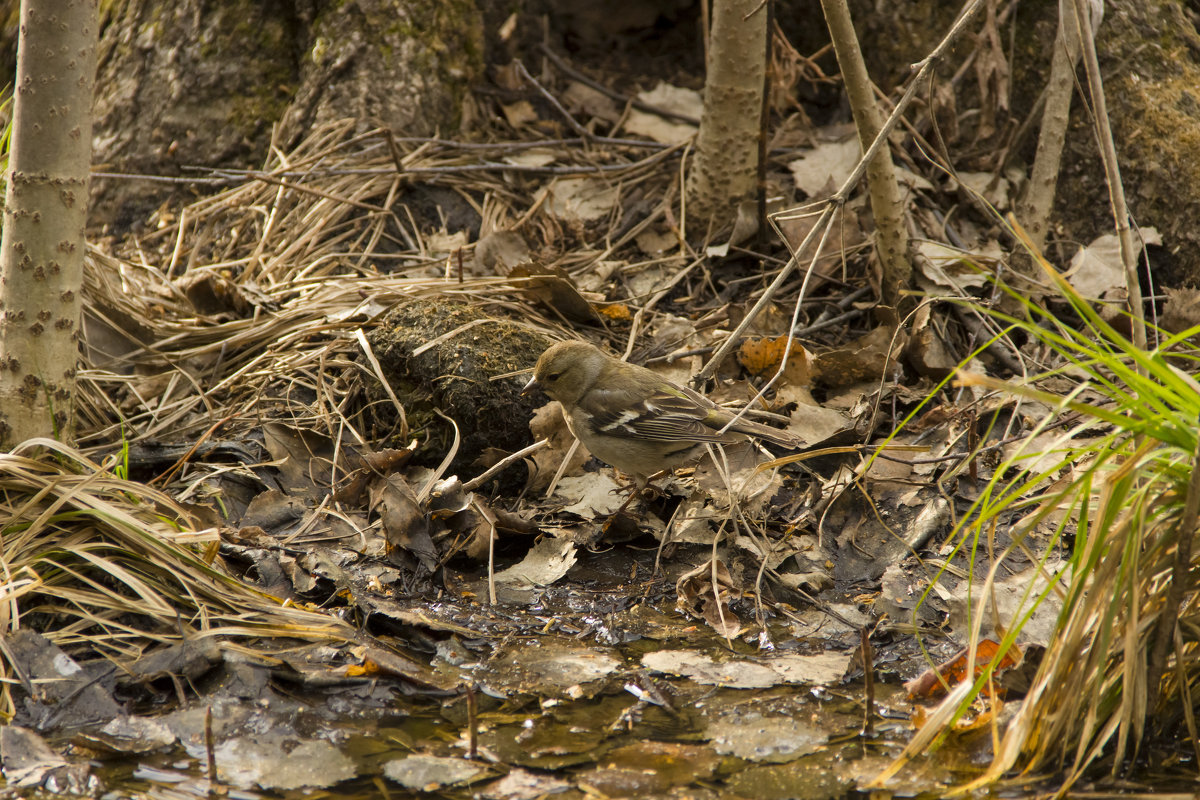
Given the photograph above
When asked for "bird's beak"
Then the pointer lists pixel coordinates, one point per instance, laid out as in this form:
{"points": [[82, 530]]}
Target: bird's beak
{"points": [[531, 386]]}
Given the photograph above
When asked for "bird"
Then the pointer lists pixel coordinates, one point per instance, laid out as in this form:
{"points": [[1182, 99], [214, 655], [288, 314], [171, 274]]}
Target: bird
{"points": [[632, 418]]}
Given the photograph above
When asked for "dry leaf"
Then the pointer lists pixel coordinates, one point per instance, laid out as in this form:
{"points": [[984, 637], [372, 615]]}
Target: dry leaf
{"points": [[617, 312], [867, 359], [548, 423], [762, 357], [405, 523], [824, 169], [932, 682], [580, 199], [519, 114], [552, 286], [687, 102]]}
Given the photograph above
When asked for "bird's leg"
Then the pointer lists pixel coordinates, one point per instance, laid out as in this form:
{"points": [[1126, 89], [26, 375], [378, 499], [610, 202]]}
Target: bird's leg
{"points": [[641, 487], [619, 520], [631, 491], [638, 487]]}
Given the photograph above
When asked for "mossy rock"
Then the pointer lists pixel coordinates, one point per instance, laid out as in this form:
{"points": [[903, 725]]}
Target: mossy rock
{"points": [[455, 377]]}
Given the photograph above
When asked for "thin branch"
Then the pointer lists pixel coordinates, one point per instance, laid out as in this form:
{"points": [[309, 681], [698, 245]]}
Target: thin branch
{"points": [[1112, 176], [923, 70]]}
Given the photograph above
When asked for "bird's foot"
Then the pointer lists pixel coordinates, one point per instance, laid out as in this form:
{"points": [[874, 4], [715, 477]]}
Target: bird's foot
{"points": [[643, 488]]}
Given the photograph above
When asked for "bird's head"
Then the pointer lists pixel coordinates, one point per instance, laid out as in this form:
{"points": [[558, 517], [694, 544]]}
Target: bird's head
{"points": [[566, 371]]}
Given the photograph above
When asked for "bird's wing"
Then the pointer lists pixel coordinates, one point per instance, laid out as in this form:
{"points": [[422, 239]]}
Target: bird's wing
{"points": [[667, 414]]}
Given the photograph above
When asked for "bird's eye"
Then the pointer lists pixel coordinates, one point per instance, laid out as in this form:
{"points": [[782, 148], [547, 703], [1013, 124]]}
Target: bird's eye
{"points": [[553, 376]]}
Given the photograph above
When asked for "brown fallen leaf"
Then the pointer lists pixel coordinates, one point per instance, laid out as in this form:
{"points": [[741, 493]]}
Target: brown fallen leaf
{"points": [[698, 597], [552, 286], [405, 522]]}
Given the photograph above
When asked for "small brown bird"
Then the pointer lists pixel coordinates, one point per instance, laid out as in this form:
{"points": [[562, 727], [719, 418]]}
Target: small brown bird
{"points": [[633, 419]]}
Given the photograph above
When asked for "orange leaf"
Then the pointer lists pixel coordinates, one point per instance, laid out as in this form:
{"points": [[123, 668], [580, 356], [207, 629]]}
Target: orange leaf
{"points": [[762, 356], [614, 311], [932, 682], [364, 669]]}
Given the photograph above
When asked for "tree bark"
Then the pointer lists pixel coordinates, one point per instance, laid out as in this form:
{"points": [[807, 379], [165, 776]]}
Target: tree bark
{"points": [[887, 204], [1036, 204], [45, 210], [195, 83], [725, 170]]}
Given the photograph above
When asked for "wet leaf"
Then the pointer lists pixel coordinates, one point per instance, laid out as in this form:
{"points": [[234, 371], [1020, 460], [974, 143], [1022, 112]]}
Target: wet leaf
{"points": [[696, 595], [650, 767], [545, 563], [803, 779], [27, 761], [130, 734], [548, 741], [540, 667], [521, 784], [430, 773], [279, 760], [704, 669], [189, 659], [744, 674], [67, 695], [755, 737]]}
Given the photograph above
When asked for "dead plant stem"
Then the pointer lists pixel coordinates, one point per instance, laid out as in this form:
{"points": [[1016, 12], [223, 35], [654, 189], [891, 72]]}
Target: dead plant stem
{"points": [[1112, 176], [1168, 620]]}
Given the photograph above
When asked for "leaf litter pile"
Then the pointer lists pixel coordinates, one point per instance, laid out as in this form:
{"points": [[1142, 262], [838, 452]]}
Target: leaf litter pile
{"points": [[308, 486]]}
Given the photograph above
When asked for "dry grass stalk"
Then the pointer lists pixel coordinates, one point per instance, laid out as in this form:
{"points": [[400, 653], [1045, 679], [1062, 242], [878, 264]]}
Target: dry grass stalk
{"points": [[108, 566]]}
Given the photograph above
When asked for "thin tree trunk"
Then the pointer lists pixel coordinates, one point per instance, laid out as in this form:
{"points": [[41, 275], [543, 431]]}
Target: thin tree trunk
{"points": [[45, 210], [887, 204], [1034, 208], [725, 170]]}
